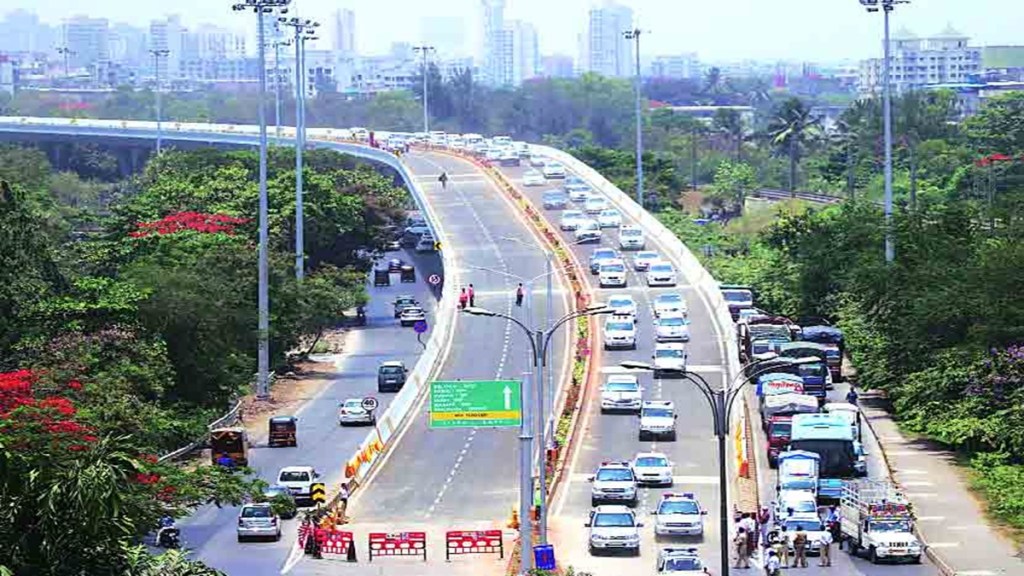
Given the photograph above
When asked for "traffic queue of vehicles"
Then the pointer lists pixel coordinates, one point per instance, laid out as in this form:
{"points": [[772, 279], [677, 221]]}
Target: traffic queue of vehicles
{"points": [[814, 441]]}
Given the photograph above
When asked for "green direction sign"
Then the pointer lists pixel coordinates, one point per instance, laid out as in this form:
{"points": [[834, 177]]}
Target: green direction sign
{"points": [[471, 404]]}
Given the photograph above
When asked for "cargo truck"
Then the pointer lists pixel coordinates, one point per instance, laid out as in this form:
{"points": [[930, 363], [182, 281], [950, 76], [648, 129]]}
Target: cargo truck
{"points": [[877, 521]]}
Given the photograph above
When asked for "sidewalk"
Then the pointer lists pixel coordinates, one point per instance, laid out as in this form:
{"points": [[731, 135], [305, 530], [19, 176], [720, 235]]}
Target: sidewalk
{"points": [[949, 519]]}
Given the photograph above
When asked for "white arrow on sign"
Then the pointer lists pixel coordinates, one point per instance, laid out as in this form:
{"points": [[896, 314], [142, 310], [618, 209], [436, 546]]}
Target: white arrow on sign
{"points": [[508, 397]]}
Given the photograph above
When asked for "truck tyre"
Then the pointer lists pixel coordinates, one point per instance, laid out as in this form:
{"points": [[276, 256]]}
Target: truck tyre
{"points": [[851, 547], [873, 555], [917, 559]]}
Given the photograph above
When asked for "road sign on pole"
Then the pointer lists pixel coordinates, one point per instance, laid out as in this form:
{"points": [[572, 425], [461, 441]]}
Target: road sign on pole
{"points": [[434, 279], [420, 326], [469, 404], [318, 492], [369, 403]]}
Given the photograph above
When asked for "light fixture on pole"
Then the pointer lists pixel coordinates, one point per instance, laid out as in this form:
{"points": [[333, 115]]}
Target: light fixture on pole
{"points": [[157, 55], [67, 53], [886, 6], [260, 8], [304, 30], [425, 50], [635, 36], [540, 340], [720, 401]]}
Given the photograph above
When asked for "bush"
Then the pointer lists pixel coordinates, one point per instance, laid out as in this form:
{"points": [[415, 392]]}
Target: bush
{"points": [[1002, 483]]}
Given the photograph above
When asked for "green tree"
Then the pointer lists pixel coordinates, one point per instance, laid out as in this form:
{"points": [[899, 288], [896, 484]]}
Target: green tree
{"points": [[733, 181], [791, 131], [729, 123]]}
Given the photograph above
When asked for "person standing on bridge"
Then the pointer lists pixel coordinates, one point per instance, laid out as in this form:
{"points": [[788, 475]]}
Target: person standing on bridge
{"points": [[463, 299], [519, 295], [472, 295], [443, 179]]}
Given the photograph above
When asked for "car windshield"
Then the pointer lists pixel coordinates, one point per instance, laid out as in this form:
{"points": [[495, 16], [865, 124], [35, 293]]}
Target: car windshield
{"points": [[354, 404], [817, 369], [661, 268], [293, 476], [890, 526], [780, 429], [621, 387], [656, 413], [571, 214], [670, 299], [620, 303], [669, 353], [679, 507], [799, 506], [807, 525], [607, 520], [631, 232], [673, 321], [627, 326], [553, 195], [603, 254], [613, 268], [390, 370], [647, 256], [257, 512], [615, 475], [652, 461], [683, 565], [737, 295]]}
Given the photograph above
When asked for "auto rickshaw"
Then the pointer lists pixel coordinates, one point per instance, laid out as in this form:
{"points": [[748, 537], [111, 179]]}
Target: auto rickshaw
{"points": [[381, 278], [229, 444], [282, 431], [408, 273]]}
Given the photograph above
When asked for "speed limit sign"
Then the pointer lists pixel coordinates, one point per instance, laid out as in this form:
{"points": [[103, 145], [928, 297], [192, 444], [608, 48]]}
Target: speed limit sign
{"points": [[369, 403]]}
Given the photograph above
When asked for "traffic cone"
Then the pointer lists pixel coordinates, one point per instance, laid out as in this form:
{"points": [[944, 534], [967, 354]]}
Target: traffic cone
{"points": [[352, 552], [513, 523]]}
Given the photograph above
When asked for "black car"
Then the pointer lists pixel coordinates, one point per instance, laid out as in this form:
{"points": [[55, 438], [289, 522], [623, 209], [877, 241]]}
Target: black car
{"points": [[395, 265], [391, 376]]}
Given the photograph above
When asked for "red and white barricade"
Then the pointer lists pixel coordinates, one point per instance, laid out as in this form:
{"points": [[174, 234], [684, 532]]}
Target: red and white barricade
{"points": [[398, 544], [474, 542]]}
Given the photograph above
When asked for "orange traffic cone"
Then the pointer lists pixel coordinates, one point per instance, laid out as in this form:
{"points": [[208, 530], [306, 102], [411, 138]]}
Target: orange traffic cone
{"points": [[513, 523]]}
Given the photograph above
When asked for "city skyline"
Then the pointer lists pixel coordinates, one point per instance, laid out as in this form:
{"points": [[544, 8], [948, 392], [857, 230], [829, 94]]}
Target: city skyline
{"points": [[671, 28]]}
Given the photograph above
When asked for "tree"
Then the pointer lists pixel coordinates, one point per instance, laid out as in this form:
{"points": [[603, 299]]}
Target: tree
{"points": [[729, 123], [791, 131], [733, 180]]}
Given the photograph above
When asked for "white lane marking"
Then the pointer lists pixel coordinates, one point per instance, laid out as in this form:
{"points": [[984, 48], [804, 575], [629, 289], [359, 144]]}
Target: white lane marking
{"points": [[944, 545], [975, 573], [921, 494], [918, 483], [930, 518]]}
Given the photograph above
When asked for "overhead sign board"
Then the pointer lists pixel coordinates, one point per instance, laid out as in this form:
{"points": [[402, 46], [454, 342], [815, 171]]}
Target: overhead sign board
{"points": [[471, 404]]}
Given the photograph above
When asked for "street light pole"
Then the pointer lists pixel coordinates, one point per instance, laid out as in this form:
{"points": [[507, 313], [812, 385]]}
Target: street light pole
{"points": [[66, 52], [261, 7], [157, 54], [635, 36], [540, 341], [424, 49]]}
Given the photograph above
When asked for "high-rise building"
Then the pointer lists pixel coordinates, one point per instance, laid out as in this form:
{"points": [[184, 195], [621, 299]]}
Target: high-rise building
{"points": [[558, 66], [604, 48], [168, 34], [21, 32], [344, 32], [447, 34], [918, 62], [127, 45], [676, 67], [496, 43], [6, 75], [525, 61], [88, 40]]}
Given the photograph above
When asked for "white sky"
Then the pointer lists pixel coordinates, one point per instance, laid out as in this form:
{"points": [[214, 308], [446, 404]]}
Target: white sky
{"points": [[810, 30]]}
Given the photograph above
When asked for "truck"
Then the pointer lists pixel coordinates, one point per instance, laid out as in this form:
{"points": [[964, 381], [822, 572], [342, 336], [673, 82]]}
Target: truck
{"points": [[832, 339], [831, 438], [801, 349], [877, 520], [798, 472], [760, 337]]}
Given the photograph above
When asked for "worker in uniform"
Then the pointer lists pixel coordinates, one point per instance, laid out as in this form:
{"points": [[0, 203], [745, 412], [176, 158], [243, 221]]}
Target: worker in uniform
{"points": [[800, 548]]}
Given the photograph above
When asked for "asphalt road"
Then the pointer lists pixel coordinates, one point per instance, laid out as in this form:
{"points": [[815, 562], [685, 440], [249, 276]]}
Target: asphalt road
{"points": [[462, 478], [615, 436], [210, 532]]}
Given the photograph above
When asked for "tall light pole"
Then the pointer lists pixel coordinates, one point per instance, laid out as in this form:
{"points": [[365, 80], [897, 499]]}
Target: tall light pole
{"points": [[304, 30], [67, 53], [540, 340], [278, 43], [425, 50], [635, 36], [157, 55], [260, 8], [887, 6], [720, 401]]}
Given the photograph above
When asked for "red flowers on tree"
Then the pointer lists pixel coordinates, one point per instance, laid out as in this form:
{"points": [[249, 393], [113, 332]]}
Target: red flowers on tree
{"points": [[194, 221], [32, 418]]}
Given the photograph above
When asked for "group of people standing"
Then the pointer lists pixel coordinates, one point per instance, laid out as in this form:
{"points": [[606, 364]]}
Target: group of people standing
{"points": [[467, 296], [754, 534]]}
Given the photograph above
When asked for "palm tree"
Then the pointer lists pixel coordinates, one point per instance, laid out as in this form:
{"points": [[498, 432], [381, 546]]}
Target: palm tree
{"points": [[729, 123], [792, 129]]}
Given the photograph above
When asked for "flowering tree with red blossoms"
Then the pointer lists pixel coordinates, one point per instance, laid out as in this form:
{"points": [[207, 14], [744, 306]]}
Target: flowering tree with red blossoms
{"points": [[194, 221]]}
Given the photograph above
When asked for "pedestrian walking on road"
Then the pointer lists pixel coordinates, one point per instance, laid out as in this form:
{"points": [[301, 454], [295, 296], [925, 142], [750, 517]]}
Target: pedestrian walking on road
{"points": [[764, 520], [519, 295], [443, 179], [472, 295], [742, 551], [463, 299], [800, 548], [825, 548], [851, 396]]}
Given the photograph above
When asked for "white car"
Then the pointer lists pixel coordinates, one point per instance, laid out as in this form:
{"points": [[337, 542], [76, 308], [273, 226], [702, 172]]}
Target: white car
{"points": [[578, 193], [622, 304], [613, 482], [536, 161], [594, 204], [658, 420], [621, 392], [411, 315], [631, 238], [258, 520], [680, 560], [799, 501], [533, 178], [620, 332], [609, 218], [299, 480], [671, 328], [553, 170], [426, 243], [670, 303], [644, 259], [669, 359], [653, 468], [612, 273], [351, 411], [571, 220], [679, 515], [811, 524], [613, 528], [661, 274], [587, 231]]}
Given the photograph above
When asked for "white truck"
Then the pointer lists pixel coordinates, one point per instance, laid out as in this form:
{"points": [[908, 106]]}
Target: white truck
{"points": [[876, 519]]}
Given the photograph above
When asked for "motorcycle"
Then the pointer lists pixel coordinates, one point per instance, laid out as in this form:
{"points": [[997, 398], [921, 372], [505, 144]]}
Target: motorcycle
{"points": [[168, 535]]}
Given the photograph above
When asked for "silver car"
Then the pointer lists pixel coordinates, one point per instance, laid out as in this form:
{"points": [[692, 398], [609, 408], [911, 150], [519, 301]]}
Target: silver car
{"points": [[258, 521], [351, 411]]}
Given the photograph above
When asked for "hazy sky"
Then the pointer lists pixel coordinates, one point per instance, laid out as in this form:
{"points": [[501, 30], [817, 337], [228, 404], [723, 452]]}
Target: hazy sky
{"points": [[813, 30]]}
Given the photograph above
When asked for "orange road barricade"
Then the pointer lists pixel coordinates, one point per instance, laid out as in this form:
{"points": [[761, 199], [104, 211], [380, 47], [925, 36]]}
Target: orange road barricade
{"points": [[339, 542], [474, 542], [398, 544]]}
